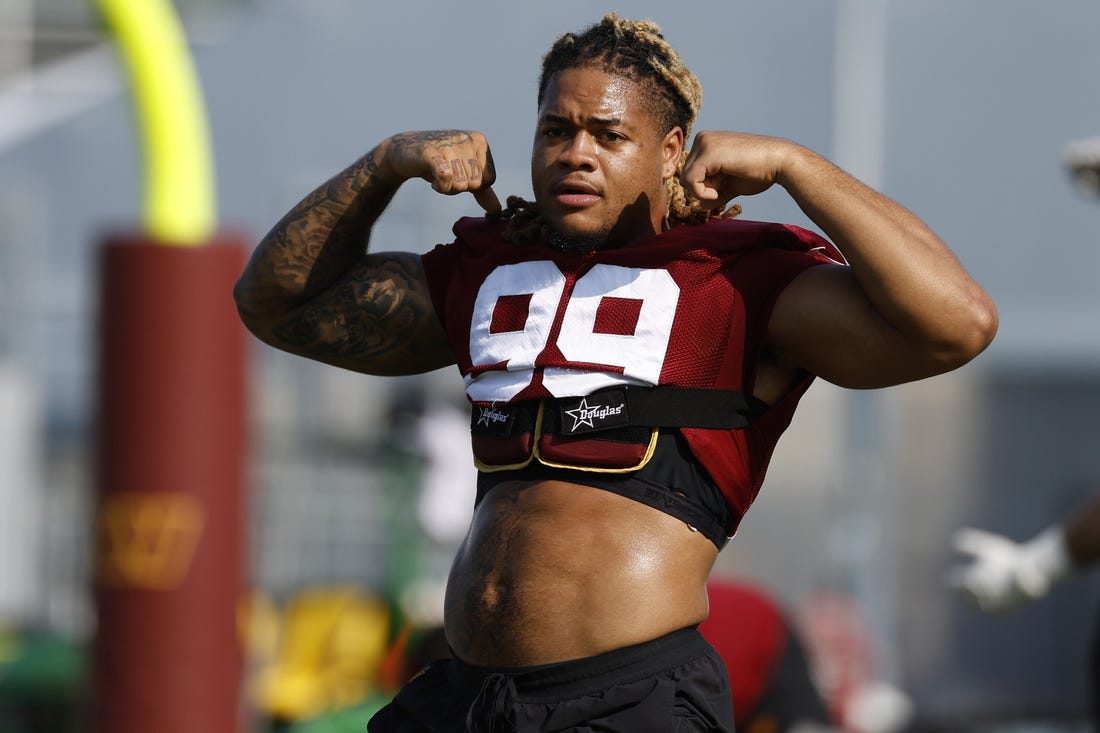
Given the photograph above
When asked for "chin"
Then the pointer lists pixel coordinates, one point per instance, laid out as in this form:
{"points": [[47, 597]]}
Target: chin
{"points": [[573, 226], [580, 242]]}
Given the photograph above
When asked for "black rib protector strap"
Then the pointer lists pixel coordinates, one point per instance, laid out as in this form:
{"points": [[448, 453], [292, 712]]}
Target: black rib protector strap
{"points": [[681, 407]]}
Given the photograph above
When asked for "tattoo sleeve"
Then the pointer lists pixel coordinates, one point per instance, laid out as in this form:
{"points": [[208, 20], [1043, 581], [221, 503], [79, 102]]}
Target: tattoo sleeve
{"points": [[310, 287]]}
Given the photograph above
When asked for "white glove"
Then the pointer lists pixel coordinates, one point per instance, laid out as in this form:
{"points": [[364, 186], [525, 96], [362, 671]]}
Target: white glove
{"points": [[1005, 574]]}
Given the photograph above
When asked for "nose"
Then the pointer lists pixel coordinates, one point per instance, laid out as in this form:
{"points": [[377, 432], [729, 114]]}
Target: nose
{"points": [[579, 152]]}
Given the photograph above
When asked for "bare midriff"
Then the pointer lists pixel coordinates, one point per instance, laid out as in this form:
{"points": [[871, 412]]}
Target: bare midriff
{"points": [[552, 571]]}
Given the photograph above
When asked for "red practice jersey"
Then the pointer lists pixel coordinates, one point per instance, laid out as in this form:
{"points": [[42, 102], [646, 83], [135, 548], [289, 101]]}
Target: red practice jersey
{"points": [[688, 307]]}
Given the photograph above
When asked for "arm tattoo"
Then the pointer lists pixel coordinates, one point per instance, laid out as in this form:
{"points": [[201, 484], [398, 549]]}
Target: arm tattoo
{"points": [[435, 138], [315, 242], [311, 289], [377, 318], [320, 239]]}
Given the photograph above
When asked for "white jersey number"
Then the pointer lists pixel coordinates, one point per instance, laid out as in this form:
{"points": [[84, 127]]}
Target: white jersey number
{"points": [[595, 335]]}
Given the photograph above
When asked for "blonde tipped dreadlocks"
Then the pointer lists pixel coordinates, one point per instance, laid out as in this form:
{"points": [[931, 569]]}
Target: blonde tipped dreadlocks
{"points": [[635, 49]]}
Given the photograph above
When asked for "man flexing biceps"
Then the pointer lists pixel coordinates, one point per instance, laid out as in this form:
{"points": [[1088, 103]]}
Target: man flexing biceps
{"points": [[632, 353]]}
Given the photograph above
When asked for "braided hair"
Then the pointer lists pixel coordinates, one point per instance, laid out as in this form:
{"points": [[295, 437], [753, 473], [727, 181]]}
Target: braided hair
{"points": [[637, 50]]}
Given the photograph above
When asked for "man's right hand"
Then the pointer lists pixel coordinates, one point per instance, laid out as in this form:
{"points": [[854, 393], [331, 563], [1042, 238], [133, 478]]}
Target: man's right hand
{"points": [[452, 161]]}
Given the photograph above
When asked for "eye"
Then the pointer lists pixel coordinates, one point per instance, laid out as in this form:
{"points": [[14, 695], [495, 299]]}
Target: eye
{"points": [[611, 136]]}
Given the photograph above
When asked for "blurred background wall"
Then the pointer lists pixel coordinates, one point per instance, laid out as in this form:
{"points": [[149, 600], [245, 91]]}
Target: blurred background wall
{"points": [[960, 109]]}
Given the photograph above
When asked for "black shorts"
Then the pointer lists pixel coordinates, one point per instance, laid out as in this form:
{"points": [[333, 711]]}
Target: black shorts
{"points": [[676, 683]]}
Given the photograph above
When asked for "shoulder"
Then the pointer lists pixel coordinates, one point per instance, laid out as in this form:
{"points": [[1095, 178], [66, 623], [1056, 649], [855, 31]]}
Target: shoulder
{"points": [[477, 232], [480, 232], [744, 234], [477, 249], [473, 236]]}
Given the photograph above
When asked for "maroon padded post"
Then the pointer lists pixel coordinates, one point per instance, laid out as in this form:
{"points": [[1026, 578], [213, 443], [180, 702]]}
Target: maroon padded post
{"points": [[171, 514]]}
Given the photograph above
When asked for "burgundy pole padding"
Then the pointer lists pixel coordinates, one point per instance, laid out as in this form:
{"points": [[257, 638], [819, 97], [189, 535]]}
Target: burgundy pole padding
{"points": [[171, 512]]}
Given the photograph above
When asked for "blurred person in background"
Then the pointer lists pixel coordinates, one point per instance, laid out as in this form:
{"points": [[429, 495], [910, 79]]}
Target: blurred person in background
{"points": [[1003, 574], [632, 353], [771, 681], [815, 672]]}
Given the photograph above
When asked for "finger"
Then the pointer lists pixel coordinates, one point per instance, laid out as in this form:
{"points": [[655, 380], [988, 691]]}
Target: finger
{"points": [[696, 173], [697, 184], [475, 174], [976, 593], [441, 174], [700, 190], [974, 537], [710, 198], [487, 199], [979, 542], [692, 178], [489, 173], [458, 168], [977, 600], [451, 176]]}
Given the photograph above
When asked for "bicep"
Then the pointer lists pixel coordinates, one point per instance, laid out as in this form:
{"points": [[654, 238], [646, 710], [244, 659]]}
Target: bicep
{"points": [[824, 323], [377, 318]]}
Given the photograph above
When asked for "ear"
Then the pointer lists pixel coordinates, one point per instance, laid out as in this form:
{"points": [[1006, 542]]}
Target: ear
{"points": [[672, 148]]}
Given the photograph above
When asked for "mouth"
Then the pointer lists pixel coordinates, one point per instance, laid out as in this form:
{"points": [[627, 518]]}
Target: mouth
{"points": [[575, 194]]}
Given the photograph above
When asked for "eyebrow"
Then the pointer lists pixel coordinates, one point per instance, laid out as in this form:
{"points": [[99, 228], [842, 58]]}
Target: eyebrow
{"points": [[599, 121]]}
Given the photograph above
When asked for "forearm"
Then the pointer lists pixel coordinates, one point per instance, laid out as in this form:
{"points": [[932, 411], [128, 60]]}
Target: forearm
{"points": [[315, 243], [1082, 536], [908, 274]]}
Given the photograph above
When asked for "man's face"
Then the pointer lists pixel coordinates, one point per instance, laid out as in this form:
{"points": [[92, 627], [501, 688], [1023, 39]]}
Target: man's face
{"points": [[599, 161]]}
